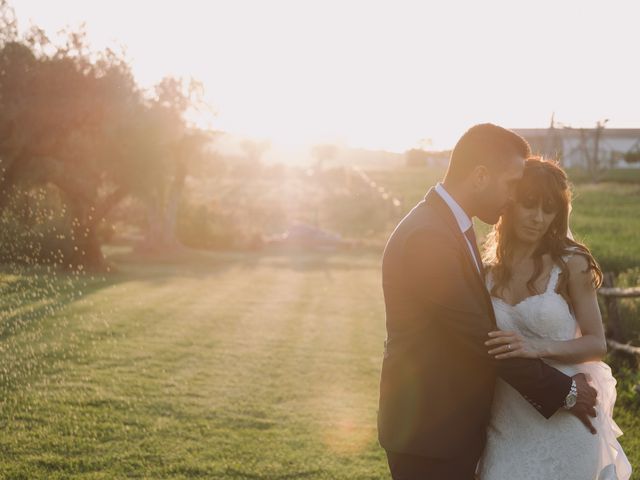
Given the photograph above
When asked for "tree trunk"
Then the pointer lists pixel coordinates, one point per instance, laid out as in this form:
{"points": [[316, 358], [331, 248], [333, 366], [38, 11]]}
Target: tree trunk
{"points": [[8, 178], [155, 221], [87, 254], [87, 251], [162, 217], [173, 201]]}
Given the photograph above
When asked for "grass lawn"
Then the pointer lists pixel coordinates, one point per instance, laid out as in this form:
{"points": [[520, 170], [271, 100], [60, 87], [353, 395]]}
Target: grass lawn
{"points": [[219, 366], [606, 217], [212, 366]]}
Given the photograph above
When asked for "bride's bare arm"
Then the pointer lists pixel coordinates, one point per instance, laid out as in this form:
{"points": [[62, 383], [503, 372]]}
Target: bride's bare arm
{"points": [[590, 346]]}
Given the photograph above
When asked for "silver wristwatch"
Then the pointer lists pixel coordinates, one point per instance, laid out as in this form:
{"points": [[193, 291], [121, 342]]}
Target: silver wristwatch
{"points": [[572, 397]]}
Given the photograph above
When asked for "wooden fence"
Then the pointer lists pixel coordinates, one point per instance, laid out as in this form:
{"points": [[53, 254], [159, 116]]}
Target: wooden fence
{"points": [[610, 295]]}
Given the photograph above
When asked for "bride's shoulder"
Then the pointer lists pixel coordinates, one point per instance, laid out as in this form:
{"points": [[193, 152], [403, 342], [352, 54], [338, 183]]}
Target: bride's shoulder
{"points": [[579, 271], [575, 260], [577, 264], [571, 257]]}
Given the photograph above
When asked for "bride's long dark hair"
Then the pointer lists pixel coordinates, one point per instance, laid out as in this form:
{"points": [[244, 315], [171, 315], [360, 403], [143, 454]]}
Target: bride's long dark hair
{"points": [[543, 180]]}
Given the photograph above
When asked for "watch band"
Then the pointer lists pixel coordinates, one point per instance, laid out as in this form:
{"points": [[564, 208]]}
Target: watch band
{"points": [[572, 397]]}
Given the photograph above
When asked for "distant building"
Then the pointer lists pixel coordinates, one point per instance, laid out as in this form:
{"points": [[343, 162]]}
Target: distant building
{"points": [[574, 146]]}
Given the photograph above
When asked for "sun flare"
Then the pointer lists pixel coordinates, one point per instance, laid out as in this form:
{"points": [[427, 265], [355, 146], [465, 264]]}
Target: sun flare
{"points": [[381, 76]]}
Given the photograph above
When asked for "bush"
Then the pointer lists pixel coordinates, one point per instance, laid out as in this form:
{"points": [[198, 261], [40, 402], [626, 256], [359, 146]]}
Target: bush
{"points": [[200, 226], [356, 214], [629, 308], [628, 378], [36, 228]]}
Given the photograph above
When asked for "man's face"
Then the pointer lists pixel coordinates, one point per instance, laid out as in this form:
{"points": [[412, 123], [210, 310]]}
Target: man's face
{"points": [[500, 190]]}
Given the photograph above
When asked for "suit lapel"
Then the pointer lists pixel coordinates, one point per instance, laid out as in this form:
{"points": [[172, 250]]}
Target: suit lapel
{"points": [[447, 216]]}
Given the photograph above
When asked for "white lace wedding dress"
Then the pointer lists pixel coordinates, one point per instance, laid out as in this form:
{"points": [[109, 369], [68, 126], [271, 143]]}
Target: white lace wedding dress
{"points": [[521, 443]]}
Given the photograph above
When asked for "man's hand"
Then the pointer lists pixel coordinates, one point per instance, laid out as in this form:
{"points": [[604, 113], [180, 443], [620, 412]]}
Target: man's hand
{"points": [[585, 406]]}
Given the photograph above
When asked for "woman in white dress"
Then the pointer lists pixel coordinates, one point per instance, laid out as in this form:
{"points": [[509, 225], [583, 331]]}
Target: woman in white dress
{"points": [[543, 288]]}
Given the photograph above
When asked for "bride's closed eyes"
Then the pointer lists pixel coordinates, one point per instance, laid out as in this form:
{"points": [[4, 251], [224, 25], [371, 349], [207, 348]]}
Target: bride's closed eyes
{"points": [[531, 201]]}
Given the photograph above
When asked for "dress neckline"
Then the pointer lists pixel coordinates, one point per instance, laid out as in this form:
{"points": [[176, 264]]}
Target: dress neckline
{"points": [[524, 300], [550, 288]]}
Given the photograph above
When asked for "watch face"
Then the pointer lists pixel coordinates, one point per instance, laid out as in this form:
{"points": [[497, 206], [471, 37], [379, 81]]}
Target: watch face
{"points": [[571, 400]]}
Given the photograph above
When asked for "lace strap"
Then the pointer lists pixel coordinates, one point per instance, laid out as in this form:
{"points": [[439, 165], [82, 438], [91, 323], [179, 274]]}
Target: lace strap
{"points": [[553, 278], [555, 273]]}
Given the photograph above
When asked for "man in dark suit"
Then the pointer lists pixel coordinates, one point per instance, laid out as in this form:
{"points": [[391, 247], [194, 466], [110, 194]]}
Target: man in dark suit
{"points": [[437, 377]]}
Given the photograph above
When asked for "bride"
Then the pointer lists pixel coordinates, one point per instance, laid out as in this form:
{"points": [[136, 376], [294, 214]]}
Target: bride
{"points": [[543, 289]]}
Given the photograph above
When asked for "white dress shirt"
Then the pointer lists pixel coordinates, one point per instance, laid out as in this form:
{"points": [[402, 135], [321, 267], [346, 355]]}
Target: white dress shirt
{"points": [[464, 222]]}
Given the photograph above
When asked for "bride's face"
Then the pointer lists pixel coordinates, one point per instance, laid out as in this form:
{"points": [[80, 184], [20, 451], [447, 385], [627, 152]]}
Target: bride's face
{"points": [[532, 217]]}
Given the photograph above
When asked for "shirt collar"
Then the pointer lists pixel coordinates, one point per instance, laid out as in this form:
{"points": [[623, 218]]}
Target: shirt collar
{"points": [[464, 222]]}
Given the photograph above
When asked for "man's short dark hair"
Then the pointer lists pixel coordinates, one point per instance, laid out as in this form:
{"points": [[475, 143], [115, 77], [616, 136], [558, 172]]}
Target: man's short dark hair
{"points": [[485, 144]]}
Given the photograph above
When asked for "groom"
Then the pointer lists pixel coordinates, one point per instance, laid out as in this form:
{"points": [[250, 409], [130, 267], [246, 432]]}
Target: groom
{"points": [[437, 378]]}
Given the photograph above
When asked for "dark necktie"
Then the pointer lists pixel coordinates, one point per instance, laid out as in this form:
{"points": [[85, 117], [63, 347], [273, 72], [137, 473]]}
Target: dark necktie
{"points": [[471, 236]]}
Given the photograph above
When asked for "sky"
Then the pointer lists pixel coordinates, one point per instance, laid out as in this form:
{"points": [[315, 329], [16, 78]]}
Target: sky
{"points": [[376, 74]]}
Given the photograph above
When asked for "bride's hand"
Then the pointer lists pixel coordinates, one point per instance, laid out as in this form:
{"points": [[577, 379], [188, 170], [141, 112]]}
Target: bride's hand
{"points": [[511, 344]]}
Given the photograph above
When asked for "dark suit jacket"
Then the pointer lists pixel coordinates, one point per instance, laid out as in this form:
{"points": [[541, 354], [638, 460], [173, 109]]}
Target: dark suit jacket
{"points": [[437, 379]]}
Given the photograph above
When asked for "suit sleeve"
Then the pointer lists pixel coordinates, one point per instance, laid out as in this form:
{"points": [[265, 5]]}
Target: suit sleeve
{"points": [[441, 279]]}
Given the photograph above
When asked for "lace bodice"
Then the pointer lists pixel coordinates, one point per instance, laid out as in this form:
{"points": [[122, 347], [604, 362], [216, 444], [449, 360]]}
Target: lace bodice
{"points": [[546, 315]]}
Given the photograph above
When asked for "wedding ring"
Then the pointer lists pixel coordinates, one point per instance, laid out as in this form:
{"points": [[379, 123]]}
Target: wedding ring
{"points": [[509, 346]]}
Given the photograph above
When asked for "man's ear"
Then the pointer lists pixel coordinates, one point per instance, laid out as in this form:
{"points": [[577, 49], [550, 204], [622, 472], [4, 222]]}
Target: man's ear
{"points": [[480, 178]]}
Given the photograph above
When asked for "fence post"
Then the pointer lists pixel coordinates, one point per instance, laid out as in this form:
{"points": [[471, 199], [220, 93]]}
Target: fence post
{"points": [[611, 303]]}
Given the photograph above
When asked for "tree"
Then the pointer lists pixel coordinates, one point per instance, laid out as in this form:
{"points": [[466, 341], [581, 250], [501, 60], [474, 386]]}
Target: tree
{"points": [[591, 151], [77, 120], [8, 23], [182, 149], [632, 156], [61, 119], [416, 157]]}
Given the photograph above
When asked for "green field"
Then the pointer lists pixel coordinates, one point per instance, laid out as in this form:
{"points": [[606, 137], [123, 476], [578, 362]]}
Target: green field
{"points": [[245, 366]]}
